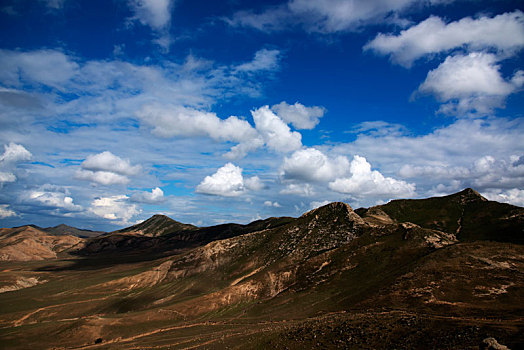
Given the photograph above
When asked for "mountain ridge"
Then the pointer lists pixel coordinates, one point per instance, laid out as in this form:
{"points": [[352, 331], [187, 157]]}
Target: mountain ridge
{"points": [[332, 278]]}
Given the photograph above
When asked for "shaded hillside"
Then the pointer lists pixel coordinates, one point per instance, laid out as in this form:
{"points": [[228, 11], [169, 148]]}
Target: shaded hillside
{"points": [[62, 230], [328, 279], [466, 214], [27, 243], [157, 225], [173, 236]]}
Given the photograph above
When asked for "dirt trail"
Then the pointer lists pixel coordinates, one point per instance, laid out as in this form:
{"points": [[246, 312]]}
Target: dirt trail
{"points": [[21, 320]]}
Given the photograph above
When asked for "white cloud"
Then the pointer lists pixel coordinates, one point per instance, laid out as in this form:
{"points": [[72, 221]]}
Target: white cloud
{"points": [[53, 197], [48, 67], [513, 196], [264, 60], [366, 182], [156, 196], [311, 164], [302, 189], [300, 116], [228, 182], [188, 122], [445, 157], [101, 177], [272, 204], [115, 208], [107, 161], [253, 183], [276, 134], [155, 14], [14, 153], [321, 16], [470, 83], [5, 212], [504, 33], [107, 169]]}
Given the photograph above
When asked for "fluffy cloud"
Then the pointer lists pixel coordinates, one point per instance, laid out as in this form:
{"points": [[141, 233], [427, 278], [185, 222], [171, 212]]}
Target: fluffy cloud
{"points": [[488, 159], [105, 168], [298, 189], [300, 116], [513, 196], [228, 182], [272, 204], [321, 16], [115, 208], [156, 196], [188, 122], [155, 14], [366, 182], [311, 164], [13, 154], [276, 134], [470, 83], [53, 197], [504, 33], [5, 212]]}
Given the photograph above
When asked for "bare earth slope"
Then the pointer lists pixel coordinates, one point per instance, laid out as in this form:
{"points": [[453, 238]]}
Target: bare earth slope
{"points": [[329, 279]]}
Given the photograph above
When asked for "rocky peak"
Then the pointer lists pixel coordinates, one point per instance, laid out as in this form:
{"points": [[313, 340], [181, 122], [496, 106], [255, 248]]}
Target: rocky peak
{"points": [[333, 212], [469, 195]]}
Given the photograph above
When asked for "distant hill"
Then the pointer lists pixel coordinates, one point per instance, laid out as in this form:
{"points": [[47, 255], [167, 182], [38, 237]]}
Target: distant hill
{"points": [[157, 225], [62, 229], [26, 243]]}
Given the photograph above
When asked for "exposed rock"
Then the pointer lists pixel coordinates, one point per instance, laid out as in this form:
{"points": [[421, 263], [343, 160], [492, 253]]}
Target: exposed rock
{"points": [[491, 344]]}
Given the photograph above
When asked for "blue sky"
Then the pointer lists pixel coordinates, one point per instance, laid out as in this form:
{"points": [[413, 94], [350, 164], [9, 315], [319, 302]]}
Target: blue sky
{"points": [[230, 111]]}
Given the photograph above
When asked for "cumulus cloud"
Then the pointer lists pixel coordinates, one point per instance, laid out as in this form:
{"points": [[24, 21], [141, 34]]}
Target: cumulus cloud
{"points": [[105, 168], [272, 204], [156, 196], [5, 212], [513, 196], [13, 154], [503, 33], [298, 189], [321, 16], [276, 134], [182, 121], [446, 158], [300, 116], [470, 83], [53, 197], [366, 182], [311, 164], [114, 208], [228, 181]]}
